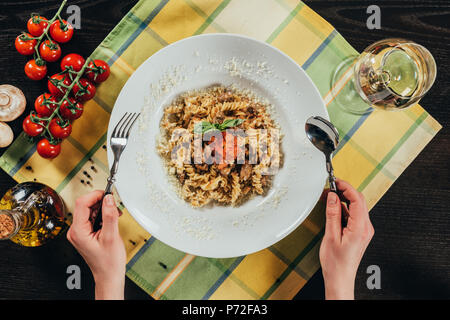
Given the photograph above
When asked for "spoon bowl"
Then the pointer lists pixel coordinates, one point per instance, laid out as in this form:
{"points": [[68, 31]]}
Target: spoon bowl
{"points": [[325, 137]]}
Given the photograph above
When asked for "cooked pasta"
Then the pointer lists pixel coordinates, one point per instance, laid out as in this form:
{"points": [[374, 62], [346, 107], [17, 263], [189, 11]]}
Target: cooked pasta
{"points": [[233, 163]]}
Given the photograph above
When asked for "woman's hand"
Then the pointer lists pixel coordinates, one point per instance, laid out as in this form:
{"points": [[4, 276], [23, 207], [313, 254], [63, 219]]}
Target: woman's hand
{"points": [[342, 248], [103, 250]]}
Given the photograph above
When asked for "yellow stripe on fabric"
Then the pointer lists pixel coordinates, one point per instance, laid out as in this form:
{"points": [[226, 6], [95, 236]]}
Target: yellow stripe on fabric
{"points": [[288, 4], [409, 150], [59, 167], [427, 125], [144, 9], [108, 91], [227, 271], [289, 287], [232, 290], [372, 160], [120, 63], [133, 234], [140, 49], [269, 268], [242, 18], [205, 9], [384, 129], [276, 31], [310, 262], [91, 126], [94, 162], [314, 22], [351, 165], [308, 223], [177, 20], [305, 45], [375, 190], [393, 151]]}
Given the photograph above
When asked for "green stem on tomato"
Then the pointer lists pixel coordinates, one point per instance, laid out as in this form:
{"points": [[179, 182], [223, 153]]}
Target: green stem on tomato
{"points": [[59, 103], [45, 33]]}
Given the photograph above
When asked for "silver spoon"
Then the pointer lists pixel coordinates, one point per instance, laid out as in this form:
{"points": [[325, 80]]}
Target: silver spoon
{"points": [[325, 137]]}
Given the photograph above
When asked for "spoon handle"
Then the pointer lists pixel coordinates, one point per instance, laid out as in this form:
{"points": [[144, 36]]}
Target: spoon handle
{"points": [[345, 204]]}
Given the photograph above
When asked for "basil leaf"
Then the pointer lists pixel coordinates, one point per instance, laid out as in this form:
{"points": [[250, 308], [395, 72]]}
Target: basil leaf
{"points": [[206, 126], [202, 127], [230, 123]]}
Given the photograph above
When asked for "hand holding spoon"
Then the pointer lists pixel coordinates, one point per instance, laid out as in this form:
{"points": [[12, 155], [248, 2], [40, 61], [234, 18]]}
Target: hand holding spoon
{"points": [[325, 137]]}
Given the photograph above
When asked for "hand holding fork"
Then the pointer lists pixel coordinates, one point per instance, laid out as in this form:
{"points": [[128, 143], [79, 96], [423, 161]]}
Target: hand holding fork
{"points": [[118, 142]]}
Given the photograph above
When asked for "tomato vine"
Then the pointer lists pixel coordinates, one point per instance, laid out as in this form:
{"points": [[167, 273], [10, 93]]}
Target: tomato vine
{"points": [[36, 18]]}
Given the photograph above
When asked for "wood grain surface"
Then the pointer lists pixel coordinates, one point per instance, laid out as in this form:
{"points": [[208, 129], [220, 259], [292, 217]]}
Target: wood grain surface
{"points": [[412, 221]]}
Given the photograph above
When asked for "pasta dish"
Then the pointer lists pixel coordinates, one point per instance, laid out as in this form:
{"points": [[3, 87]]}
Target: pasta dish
{"points": [[220, 145]]}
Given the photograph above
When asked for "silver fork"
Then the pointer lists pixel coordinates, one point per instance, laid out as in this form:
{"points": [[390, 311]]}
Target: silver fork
{"points": [[118, 142]]}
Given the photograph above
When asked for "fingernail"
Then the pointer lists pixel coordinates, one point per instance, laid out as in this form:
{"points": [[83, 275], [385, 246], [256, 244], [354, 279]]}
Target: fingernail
{"points": [[332, 198], [109, 200]]}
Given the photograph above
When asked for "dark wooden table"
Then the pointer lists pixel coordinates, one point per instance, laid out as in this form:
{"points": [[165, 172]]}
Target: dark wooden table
{"points": [[412, 221]]}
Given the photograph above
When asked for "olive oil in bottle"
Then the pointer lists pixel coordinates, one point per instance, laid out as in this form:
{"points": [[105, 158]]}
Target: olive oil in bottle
{"points": [[31, 214]]}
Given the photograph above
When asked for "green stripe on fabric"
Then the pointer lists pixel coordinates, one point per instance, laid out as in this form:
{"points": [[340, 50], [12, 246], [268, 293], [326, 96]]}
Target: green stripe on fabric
{"points": [[283, 258], [15, 153], [369, 158], [296, 261], [323, 67], [156, 36], [238, 281], [189, 285], [83, 150], [156, 262], [118, 35], [202, 14], [141, 282], [286, 21], [150, 31], [211, 18], [425, 126], [284, 5], [145, 9], [391, 153], [81, 163]]}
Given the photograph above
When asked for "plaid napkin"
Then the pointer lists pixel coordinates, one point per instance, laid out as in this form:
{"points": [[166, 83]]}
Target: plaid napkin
{"points": [[374, 151]]}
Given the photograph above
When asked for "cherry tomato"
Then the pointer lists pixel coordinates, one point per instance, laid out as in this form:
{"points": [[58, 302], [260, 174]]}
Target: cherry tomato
{"points": [[34, 71], [30, 128], [100, 73], [72, 60], [42, 109], [71, 112], [61, 33], [48, 150], [25, 47], [35, 27], [84, 91], [55, 81], [60, 129], [50, 51]]}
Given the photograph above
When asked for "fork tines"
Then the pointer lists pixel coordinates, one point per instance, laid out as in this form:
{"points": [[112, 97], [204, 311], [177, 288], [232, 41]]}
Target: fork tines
{"points": [[123, 127]]}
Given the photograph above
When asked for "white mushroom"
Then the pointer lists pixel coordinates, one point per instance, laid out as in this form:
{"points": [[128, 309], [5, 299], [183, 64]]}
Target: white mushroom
{"points": [[6, 135], [12, 102]]}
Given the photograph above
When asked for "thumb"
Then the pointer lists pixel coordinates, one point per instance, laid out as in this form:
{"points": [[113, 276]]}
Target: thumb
{"points": [[333, 228], [110, 218]]}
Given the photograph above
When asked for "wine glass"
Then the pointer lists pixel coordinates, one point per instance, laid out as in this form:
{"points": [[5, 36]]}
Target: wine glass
{"points": [[390, 74]]}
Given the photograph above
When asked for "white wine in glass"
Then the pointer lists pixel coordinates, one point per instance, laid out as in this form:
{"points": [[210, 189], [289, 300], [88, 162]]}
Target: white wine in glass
{"points": [[390, 74]]}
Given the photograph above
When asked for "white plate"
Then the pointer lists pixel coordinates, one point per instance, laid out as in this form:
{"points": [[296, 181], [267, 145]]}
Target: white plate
{"points": [[142, 180]]}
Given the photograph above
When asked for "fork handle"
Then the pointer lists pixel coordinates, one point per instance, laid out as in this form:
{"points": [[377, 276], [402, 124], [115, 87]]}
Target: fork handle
{"points": [[97, 224]]}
